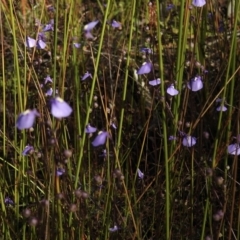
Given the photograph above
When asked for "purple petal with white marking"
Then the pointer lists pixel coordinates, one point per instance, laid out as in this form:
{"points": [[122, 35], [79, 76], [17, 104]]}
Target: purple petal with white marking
{"points": [[100, 139], [234, 149], [27, 150], [114, 229], [146, 50], [88, 35], [198, 3], [145, 68], [90, 26], [172, 91], [195, 84], [77, 45], [155, 82], [221, 108], [59, 108], [116, 24], [30, 42], [41, 44], [140, 173], [189, 141], [90, 129], [86, 75], [26, 119], [48, 79], [48, 27], [60, 171]]}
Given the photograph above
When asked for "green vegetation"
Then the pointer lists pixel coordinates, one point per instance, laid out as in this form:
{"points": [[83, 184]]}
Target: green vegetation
{"points": [[63, 187]]}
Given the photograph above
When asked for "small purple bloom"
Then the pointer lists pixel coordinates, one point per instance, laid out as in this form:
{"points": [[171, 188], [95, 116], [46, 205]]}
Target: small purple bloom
{"points": [[170, 6], [172, 91], [90, 129], [47, 79], [27, 150], [76, 45], [41, 36], [116, 24], [60, 171], [189, 141], [146, 50], [234, 149], [198, 3], [50, 92], [195, 84], [114, 125], [88, 35], [88, 27], [114, 229], [49, 27], [41, 44], [30, 42], [171, 138], [59, 108], [145, 68], [140, 173], [86, 75], [8, 201], [221, 108], [26, 119], [155, 82], [100, 139]]}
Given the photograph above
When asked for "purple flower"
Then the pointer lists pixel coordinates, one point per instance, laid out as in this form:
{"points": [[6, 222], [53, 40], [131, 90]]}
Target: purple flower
{"points": [[90, 129], [77, 45], [145, 68], [234, 149], [30, 42], [114, 229], [172, 91], [100, 139], [47, 79], [27, 150], [8, 201], [195, 84], [59, 108], [146, 50], [116, 24], [86, 75], [221, 108], [26, 119], [140, 174], [60, 171], [88, 27], [41, 44], [189, 141], [155, 82], [88, 35], [171, 138], [170, 6], [198, 3], [49, 27]]}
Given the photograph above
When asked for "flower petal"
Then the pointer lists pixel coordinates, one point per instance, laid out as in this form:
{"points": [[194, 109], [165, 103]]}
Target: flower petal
{"points": [[198, 3], [90, 129], [145, 68], [59, 108], [100, 139], [90, 26], [195, 84], [234, 149], [26, 119], [30, 42], [189, 141], [172, 91], [155, 82]]}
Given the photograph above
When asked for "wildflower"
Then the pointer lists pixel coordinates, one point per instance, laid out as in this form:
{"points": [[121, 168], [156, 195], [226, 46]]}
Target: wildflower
{"points": [[195, 84], [49, 27], [155, 82], [59, 108], [90, 129], [146, 50], [140, 174], [172, 91], [28, 149], [234, 149], [41, 44], [171, 138], [60, 171], [189, 141], [88, 27], [30, 42], [86, 75], [48, 79], [8, 201], [100, 139], [114, 229], [116, 24], [26, 119], [145, 68], [77, 45], [169, 6], [221, 108], [198, 3], [88, 35]]}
